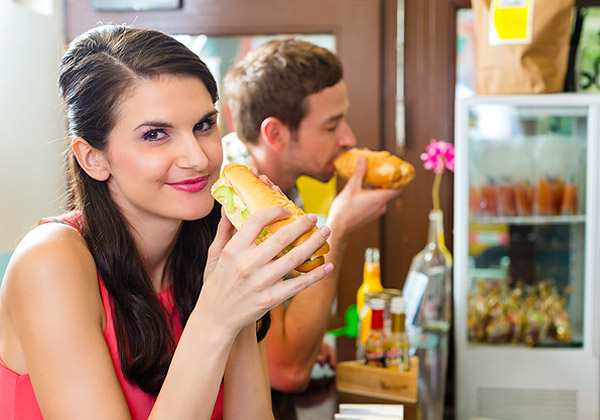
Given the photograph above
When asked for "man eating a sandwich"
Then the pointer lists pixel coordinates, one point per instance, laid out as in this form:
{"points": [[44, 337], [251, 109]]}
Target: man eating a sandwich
{"points": [[289, 104]]}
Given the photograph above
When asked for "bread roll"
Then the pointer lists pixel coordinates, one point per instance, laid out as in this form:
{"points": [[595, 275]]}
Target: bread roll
{"points": [[242, 194], [384, 170]]}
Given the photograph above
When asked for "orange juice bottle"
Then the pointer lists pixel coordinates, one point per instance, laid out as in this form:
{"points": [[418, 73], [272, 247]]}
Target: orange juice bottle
{"points": [[557, 191], [523, 198], [542, 198], [569, 200], [371, 283]]}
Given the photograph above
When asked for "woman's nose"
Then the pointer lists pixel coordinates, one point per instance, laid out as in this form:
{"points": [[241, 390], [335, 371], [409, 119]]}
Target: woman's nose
{"points": [[191, 154]]}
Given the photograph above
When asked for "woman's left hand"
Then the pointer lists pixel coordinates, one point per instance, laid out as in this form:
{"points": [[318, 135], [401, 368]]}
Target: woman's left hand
{"points": [[225, 232]]}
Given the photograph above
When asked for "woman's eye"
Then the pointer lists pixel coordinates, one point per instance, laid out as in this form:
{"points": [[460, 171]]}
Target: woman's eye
{"points": [[154, 135], [204, 126]]}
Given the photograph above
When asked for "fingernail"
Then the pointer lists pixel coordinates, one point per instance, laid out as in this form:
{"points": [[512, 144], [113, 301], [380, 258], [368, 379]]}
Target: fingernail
{"points": [[312, 217], [325, 231], [328, 268]]}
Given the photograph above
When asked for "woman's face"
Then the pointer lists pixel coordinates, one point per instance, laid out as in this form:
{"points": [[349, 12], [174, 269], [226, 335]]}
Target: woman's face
{"points": [[164, 152]]}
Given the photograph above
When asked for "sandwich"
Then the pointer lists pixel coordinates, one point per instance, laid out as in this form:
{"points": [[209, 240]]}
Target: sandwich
{"points": [[384, 170], [242, 194]]}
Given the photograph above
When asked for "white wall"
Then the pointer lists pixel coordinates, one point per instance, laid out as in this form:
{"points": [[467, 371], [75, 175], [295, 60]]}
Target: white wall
{"points": [[32, 123]]}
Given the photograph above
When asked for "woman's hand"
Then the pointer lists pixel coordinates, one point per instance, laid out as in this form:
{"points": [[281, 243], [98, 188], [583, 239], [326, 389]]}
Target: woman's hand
{"points": [[265, 180], [226, 230], [243, 281]]}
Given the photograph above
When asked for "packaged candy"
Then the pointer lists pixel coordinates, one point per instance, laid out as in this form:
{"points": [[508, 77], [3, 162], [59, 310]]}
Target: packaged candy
{"points": [[522, 314], [477, 313], [498, 328]]}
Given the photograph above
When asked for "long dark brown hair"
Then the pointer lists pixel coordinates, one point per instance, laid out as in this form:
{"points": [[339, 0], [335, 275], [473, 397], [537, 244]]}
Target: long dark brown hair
{"points": [[96, 74]]}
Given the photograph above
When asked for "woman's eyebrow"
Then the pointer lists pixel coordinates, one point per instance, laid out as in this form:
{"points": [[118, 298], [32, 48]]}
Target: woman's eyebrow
{"points": [[155, 124], [209, 115], [162, 124]]}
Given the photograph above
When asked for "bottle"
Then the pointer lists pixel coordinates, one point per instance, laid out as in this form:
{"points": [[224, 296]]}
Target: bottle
{"points": [[432, 267], [396, 353], [376, 340], [371, 283]]}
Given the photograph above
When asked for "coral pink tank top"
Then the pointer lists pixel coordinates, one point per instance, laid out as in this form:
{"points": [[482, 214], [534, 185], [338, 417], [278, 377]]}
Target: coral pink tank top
{"points": [[17, 399]]}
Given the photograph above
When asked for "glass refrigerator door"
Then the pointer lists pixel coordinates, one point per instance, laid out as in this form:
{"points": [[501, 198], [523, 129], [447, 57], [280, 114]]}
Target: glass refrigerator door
{"points": [[526, 224], [526, 260]]}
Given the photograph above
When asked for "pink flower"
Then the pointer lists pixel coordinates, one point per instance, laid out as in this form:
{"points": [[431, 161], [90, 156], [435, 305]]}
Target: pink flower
{"points": [[439, 155]]}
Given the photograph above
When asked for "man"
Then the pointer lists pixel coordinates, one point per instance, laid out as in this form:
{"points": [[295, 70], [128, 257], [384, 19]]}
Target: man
{"points": [[289, 104]]}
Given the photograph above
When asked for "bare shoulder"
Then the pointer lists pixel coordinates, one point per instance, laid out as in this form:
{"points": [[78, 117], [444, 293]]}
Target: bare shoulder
{"points": [[52, 309], [52, 265]]}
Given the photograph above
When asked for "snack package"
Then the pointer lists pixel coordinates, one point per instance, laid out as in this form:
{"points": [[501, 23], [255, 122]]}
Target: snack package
{"points": [[498, 328], [522, 46], [529, 315], [560, 322], [477, 312]]}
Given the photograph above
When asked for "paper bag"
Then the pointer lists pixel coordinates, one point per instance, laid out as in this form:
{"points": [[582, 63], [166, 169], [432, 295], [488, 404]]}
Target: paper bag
{"points": [[522, 46]]}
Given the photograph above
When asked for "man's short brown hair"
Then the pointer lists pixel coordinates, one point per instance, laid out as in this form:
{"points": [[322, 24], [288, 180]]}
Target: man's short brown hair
{"points": [[274, 79]]}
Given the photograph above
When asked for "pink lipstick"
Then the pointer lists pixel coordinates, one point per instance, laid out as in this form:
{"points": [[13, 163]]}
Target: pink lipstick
{"points": [[190, 185]]}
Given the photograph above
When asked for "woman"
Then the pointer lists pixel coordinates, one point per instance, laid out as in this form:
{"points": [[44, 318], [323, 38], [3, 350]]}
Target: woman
{"points": [[119, 309]]}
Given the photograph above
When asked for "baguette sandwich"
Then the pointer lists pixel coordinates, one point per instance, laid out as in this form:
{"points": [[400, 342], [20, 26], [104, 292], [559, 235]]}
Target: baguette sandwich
{"points": [[383, 169], [242, 194]]}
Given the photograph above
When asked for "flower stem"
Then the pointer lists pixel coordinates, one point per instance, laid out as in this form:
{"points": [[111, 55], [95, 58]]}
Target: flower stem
{"points": [[435, 191]]}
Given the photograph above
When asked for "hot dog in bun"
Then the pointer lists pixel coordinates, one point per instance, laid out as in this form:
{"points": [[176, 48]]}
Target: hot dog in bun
{"points": [[384, 170], [242, 194]]}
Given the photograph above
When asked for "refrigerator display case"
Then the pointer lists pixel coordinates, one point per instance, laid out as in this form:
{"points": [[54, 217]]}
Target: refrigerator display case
{"points": [[526, 257]]}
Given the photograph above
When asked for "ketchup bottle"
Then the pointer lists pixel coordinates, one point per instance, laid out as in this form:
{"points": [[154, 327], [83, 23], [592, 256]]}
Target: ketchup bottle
{"points": [[375, 346]]}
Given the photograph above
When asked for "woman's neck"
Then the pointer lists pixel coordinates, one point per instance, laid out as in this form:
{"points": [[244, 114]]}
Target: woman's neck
{"points": [[156, 239]]}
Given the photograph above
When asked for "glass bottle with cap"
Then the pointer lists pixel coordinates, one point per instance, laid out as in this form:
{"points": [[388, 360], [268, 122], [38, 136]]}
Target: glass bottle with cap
{"points": [[398, 344], [371, 283], [376, 340]]}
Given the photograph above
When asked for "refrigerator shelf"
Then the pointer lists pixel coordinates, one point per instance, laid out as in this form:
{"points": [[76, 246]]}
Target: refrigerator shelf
{"points": [[529, 220], [522, 346]]}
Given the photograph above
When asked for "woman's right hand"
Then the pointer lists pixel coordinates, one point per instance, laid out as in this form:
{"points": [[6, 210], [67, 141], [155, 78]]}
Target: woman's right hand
{"points": [[243, 281]]}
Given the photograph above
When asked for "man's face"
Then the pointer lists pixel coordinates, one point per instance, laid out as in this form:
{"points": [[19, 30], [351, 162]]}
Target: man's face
{"points": [[322, 135]]}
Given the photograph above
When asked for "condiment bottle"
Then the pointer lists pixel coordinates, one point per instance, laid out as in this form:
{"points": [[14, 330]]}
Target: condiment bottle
{"points": [[396, 355], [376, 340], [371, 283]]}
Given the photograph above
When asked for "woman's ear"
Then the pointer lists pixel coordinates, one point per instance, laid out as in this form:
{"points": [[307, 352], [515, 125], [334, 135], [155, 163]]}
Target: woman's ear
{"points": [[275, 133], [91, 160]]}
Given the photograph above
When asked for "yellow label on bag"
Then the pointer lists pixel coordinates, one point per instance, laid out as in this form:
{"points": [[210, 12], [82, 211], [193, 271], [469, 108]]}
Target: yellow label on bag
{"points": [[510, 22]]}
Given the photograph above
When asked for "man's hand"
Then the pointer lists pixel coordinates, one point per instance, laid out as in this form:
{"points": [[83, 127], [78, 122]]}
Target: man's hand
{"points": [[357, 205], [327, 356]]}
